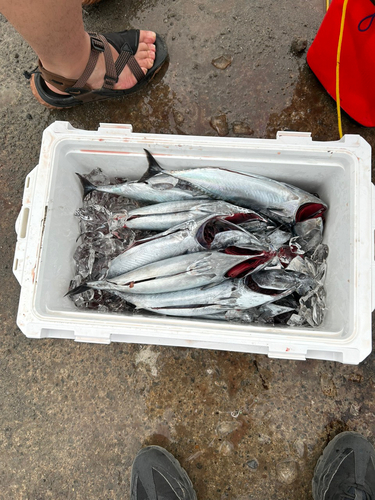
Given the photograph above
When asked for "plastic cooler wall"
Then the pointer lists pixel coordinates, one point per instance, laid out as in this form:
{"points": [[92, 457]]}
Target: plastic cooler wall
{"points": [[314, 171]]}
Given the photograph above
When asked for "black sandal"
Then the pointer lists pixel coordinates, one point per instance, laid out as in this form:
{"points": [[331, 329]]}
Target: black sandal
{"points": [[126, 43]]}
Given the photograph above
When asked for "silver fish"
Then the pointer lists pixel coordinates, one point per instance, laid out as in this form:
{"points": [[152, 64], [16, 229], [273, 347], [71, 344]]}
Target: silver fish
{"points": [[211, 232], [238, 294], [156, 189], [165, 215], [279, 200], [177, 273]]}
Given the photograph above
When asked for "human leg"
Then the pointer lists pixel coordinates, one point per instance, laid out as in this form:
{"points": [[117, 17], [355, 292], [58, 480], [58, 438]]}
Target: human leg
{"points": [[157, 474], [346, 469], [54, 29]]}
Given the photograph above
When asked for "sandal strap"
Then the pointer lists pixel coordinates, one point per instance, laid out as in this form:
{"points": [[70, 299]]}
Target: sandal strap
{"points": [[58, 81], [97, 46], [111, 76], [63, 83], [113, 69], [126, 58]]}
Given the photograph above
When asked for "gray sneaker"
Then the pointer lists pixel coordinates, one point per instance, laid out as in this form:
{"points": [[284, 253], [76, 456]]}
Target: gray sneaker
{"points": [[157, 475], [346, 470]]}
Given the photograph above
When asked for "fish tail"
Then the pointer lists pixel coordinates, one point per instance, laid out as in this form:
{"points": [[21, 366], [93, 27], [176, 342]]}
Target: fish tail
{"points": [[77, 290], [153, 167], [88, 188]]}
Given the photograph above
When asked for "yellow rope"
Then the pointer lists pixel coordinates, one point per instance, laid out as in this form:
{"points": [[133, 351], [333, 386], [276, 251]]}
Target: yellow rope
{"points": [[327, 4], [338, 67]]}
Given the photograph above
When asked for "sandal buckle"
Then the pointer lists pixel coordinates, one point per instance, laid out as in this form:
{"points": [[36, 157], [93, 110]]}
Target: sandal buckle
{"points": [[97, 44], [110, 80]]}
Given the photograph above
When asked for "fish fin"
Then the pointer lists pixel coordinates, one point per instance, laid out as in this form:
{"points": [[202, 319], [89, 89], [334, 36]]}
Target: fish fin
{"points": [[77, 290], [87, 186], [153, 167], [191, 186]]}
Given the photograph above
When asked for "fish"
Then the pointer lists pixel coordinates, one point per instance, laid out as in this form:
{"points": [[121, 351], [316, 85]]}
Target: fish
{"points": [[163, 216], [155, 189], [240, 293], [211, 232], [233, 246], [275, 199], [176, 273]]}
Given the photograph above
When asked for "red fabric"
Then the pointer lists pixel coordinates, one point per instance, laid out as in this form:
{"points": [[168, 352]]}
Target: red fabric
{"points": [[357, 60]]}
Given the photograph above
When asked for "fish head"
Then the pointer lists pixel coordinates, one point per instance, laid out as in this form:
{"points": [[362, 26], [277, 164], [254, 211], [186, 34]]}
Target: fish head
{"points": [[256, 260], [297, 210], [246, 216], [208, 229], [310, 211]]}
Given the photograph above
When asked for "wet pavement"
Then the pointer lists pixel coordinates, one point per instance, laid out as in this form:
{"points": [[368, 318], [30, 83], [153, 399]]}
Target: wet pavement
{"points": [[244, 426]]}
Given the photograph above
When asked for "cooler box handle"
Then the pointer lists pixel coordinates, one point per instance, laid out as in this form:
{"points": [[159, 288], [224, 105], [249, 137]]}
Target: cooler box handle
{"points": [[22, 226]]}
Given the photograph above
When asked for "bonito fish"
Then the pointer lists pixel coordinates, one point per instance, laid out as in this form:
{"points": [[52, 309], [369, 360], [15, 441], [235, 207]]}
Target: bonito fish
{"points": [[243, 293], [155, 189], [238, 294], [177, 273], [277, 200], [165, 215], [189, 237]]}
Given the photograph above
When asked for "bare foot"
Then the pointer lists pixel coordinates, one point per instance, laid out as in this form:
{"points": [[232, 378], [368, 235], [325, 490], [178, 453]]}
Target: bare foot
{"points": [[145, 57]]}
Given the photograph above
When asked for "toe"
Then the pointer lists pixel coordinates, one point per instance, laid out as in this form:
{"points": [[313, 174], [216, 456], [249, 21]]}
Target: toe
{"points": [[145, 57], [147, 36], [142, 47], [148, 62], [144, 53]]}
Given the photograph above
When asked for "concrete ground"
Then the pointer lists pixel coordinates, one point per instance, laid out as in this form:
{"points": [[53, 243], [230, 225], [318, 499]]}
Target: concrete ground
{"points": [[72, 416]]}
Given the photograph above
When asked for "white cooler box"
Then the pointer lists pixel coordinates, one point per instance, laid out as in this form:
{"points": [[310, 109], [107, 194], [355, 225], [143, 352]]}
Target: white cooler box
{"points": [[340, 172]]}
